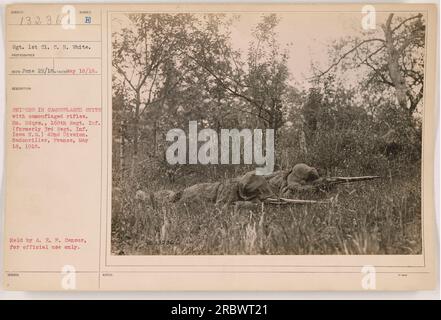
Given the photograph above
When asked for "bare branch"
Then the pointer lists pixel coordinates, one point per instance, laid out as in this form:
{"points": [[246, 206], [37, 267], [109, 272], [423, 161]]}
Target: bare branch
{"points": [[406, 20], [347, 53], [121, 71], [369, 57], [379, 74]]}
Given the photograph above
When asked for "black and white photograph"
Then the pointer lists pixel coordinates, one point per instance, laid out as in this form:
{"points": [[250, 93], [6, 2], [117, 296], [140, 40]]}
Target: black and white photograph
{"points": [[276, 133]]}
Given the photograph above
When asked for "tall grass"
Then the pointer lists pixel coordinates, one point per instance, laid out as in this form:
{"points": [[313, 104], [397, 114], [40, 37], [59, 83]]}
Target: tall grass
{"points": [[378, 217]]}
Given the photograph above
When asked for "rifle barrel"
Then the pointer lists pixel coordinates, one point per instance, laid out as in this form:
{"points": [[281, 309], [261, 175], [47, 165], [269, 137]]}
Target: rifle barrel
{"points": [[353, 179], [293, 201]]}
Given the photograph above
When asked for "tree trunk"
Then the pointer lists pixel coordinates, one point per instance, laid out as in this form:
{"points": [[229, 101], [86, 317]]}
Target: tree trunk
{"points": [[302, 141], [394, 67], [155, 142], [122, 150], [135, 135]]}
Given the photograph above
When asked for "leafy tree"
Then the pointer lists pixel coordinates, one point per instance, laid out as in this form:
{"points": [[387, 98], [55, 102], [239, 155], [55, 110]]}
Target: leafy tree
{"points": [[256, 87], [140, 52], [393, 58]]}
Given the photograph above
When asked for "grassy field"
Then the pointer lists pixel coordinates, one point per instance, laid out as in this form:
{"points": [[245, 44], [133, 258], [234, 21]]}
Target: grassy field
{"points": [[378, 217]]}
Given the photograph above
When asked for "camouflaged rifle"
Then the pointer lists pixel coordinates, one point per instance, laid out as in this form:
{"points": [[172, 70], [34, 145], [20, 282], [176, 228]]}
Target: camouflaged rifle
{"points": [[321, 184]]}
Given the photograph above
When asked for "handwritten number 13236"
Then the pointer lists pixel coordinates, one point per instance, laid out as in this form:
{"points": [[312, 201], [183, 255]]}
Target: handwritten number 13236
{"points": [[38, 20]]}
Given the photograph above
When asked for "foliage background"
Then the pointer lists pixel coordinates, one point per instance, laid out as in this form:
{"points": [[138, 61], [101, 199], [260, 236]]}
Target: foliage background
{"points": [[358, 112]]}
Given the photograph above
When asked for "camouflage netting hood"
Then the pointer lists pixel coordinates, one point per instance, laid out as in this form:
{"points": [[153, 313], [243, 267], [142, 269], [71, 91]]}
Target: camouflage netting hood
{"points": [[302, 173], [299, 175]]}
